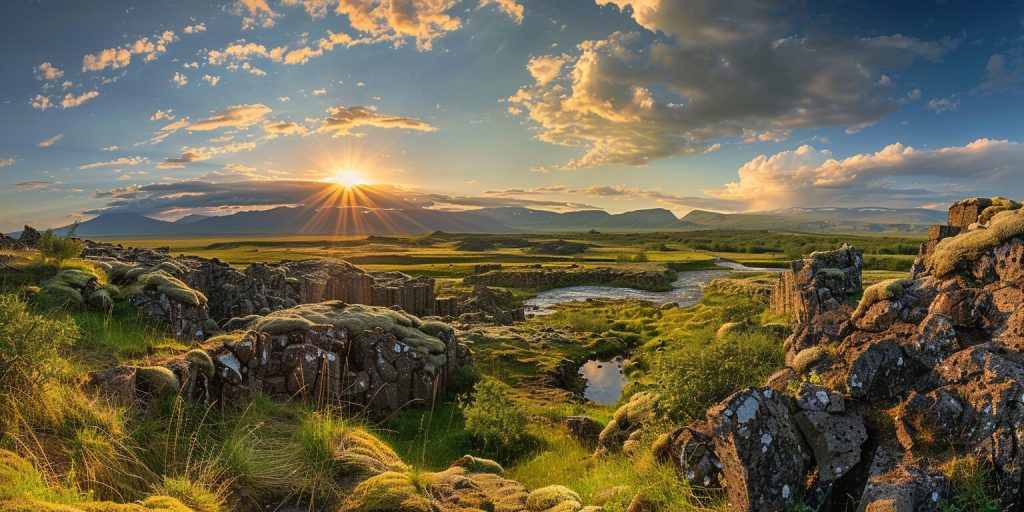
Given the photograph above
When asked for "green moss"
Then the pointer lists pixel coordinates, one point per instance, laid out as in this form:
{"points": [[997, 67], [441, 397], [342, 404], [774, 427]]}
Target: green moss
{"points": [[552, 498], [157, 380], [358, 318], [386, 492], [479, 465], [200, 359], [953, 253], [884, 290], [171, 286], [807, 358], [999, 204]]}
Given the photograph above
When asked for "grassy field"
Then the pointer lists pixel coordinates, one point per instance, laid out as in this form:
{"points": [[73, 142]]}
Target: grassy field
{"points": [[440, 255]]}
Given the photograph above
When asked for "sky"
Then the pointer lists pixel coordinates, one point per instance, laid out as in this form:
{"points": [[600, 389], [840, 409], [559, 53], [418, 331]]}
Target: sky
{"points": [[173, 107]]}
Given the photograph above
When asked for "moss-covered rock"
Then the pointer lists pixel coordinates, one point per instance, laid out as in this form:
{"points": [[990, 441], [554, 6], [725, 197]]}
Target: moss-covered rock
{"points": [[200, 359], [807, 358], [479, 465], [553, 498], [157, 380], [959, 251], [387, 492], [359, 453], [890, 289], [170, 286]]}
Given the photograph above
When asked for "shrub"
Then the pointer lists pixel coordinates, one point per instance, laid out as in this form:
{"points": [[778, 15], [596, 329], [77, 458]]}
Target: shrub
{"points": [[973, 489], [56, 249], [494, 418], [30, 346]]}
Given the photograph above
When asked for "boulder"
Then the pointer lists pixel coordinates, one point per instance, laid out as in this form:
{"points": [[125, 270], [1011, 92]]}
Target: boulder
{"points": [[759, 446], [690, 450], [896, 483], [834, 438]]}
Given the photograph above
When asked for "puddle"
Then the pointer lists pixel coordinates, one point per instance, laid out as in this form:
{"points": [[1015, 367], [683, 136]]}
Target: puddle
{"points": [[604, 380]]}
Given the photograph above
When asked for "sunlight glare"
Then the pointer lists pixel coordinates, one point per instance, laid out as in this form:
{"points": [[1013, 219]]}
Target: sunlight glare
{"points": [[347, 178]]}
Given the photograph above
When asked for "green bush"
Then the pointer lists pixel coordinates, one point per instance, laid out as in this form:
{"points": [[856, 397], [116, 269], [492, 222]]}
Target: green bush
{"points": [[30, 346], [494, 418], [695, 376], [56, 249]]}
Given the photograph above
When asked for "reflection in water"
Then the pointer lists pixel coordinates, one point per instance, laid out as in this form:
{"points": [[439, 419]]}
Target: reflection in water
{"points": [[686, 290], [604, 380]]}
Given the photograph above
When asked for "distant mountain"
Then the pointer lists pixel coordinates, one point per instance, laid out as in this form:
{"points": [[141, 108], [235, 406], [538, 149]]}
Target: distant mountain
{"points": [[820, 220], [361, 220], [526, 219]]}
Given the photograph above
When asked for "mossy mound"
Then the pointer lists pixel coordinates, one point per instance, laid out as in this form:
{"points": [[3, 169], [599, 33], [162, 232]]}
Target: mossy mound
{"points": [[807, 358], [360, 453], [457, 488], [479, 465], [553, 498], [171, 286], [357, 319], [387, 492], [66, 287], [999, 204], [883, 290], [157, 380], [955, 252]]}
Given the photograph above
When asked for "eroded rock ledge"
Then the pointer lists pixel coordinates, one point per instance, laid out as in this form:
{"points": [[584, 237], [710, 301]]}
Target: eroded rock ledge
{"points": [[881, 395]]}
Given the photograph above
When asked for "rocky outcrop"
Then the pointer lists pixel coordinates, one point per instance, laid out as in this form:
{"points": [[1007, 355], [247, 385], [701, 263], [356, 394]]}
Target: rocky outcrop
{"points": [[559, 248], [538, 277], [818, 283], [921, 372], [30, 237], [482, 304], [327, 353]]}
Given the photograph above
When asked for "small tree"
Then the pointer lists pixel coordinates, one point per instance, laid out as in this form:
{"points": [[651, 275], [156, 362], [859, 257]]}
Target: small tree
{"points": [[57, 249], [494, 418], [30, 346]]}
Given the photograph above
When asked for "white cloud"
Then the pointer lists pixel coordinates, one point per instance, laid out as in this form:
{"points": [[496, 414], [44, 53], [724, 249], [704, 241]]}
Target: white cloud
{"points": [[115, 58], [7, 162], [939, 105], [212, 79], [716, 69], [179, 79], [109, 148], [255, 13], [319, 92], [512, 8], [132, 160], [238, 116], [70, 100], [162, 114], [897, 175], [342, 120], [195, 29], [47, 71], [50, 141], [242, 51], [40, 102]]}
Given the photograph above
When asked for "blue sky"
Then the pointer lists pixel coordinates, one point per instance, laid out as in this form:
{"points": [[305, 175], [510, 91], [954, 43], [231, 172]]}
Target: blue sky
{"points": [[728, 105]]}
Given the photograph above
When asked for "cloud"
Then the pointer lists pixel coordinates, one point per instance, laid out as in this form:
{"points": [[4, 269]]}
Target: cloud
{"points": [[709, 70], [626, 193], [113, 58], [238, 116], [242, 51], [1003, 72], [40, 102], [395, 20], [162, 114], [47, 71], [255, 13], [50, 141], [176, 125], [512, 8], [179, 79], [284, 128], [33, 185], [70, 100], [132, 160], [342, 120], [109, 148], [229, 193], [319, 92], [120, 57], [212, 79], [896, 175], [195, 29], [7, 162], [185, 158], [939, 105]]}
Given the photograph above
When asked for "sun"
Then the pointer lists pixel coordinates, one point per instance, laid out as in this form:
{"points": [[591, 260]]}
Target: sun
{"points": [[347, 178]]}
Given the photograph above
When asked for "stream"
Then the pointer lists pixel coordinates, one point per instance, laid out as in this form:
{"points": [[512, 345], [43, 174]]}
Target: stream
{"points": [[605, 380]]}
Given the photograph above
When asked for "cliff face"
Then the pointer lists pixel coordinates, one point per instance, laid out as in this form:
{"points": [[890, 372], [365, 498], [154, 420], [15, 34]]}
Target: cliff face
{"points": [[883, 397]]}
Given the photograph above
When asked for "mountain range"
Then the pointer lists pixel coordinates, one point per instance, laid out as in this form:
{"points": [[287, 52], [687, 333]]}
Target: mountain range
{"points": [[360, 220]]}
